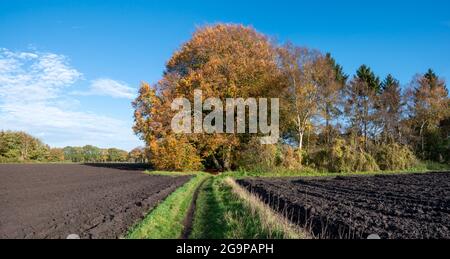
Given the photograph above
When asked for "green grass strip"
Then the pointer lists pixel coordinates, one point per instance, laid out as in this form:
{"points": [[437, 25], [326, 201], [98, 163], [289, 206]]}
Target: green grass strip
{"points": [[423, 167], [166, 220], [222, 214]]}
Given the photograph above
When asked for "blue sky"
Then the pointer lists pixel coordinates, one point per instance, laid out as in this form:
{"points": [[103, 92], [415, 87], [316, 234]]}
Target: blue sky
{"points": [[69, 69]]}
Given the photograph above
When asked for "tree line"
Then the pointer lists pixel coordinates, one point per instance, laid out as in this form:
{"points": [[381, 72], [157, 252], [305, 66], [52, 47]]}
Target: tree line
{"points": [[329, 120], [22, 147]]}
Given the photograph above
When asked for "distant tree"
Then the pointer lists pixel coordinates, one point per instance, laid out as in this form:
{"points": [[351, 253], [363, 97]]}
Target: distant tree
{"points": [[104, 156], [137, 155], [117, 155], [91, 153], [56, 155], [9, 146], [21, 147], [74, 154]]}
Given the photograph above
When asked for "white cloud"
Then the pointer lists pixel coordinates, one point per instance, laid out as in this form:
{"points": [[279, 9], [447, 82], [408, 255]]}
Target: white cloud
{"points": [[32, 99], [109, 87], [28, 77]]}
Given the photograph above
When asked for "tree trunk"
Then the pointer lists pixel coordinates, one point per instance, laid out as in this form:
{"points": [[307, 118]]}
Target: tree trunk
{"points": [[422, 139], [300, 145], [300, 140], [227, 158], [327, 125], [365, 122], [216, 163]]}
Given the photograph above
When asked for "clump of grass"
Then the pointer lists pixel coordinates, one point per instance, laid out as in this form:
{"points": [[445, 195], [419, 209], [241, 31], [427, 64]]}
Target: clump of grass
{"points": [[431, 166], [271, 221], [223, 214], [166, 220], [421, 167]]}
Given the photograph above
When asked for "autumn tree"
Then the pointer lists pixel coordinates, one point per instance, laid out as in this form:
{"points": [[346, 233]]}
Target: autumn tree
{"points": [[300, 68], [56, 155], [152, 113], [430, 105], [152, 118], [137, 155], [224, 61]]}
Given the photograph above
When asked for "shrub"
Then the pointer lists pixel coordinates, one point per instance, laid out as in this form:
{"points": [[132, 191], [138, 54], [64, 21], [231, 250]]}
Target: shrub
{"points": [[344, 157], [394, 157], [290, 158], [55, 155], [175, 153], [256, 157]]}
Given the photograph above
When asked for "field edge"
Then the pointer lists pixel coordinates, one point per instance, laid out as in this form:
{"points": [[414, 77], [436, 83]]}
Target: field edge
{"points": [[270, 219]]}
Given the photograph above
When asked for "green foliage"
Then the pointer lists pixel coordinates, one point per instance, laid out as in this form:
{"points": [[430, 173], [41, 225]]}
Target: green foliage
{"points": [[256, 157], [437, 145], [117, 155], [368, 77], [342, 156], [74, 154], [427, 166], [393, 157], [92, 154], [21, 147]]}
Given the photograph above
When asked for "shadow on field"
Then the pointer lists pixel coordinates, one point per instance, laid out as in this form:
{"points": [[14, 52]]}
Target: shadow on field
{"points": [[122, 166]]}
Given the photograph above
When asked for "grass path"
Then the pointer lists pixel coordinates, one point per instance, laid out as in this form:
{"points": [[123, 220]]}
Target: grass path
{"points": [[226, 211], [166, 221], [189, 219]]}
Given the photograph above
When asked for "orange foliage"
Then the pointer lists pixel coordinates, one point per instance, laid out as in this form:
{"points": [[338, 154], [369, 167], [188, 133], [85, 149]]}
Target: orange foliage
{"points": [[174, 153], [224, 61]]}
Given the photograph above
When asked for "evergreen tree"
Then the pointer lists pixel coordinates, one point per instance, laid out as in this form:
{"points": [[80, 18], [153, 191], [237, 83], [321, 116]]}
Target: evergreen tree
{"points": [[362, 94], [390, 108]]}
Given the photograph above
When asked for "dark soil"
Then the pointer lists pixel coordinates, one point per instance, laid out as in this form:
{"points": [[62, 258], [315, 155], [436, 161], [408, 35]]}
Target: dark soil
{"points": [[53, 201], [415, 206], [122, 166]]}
